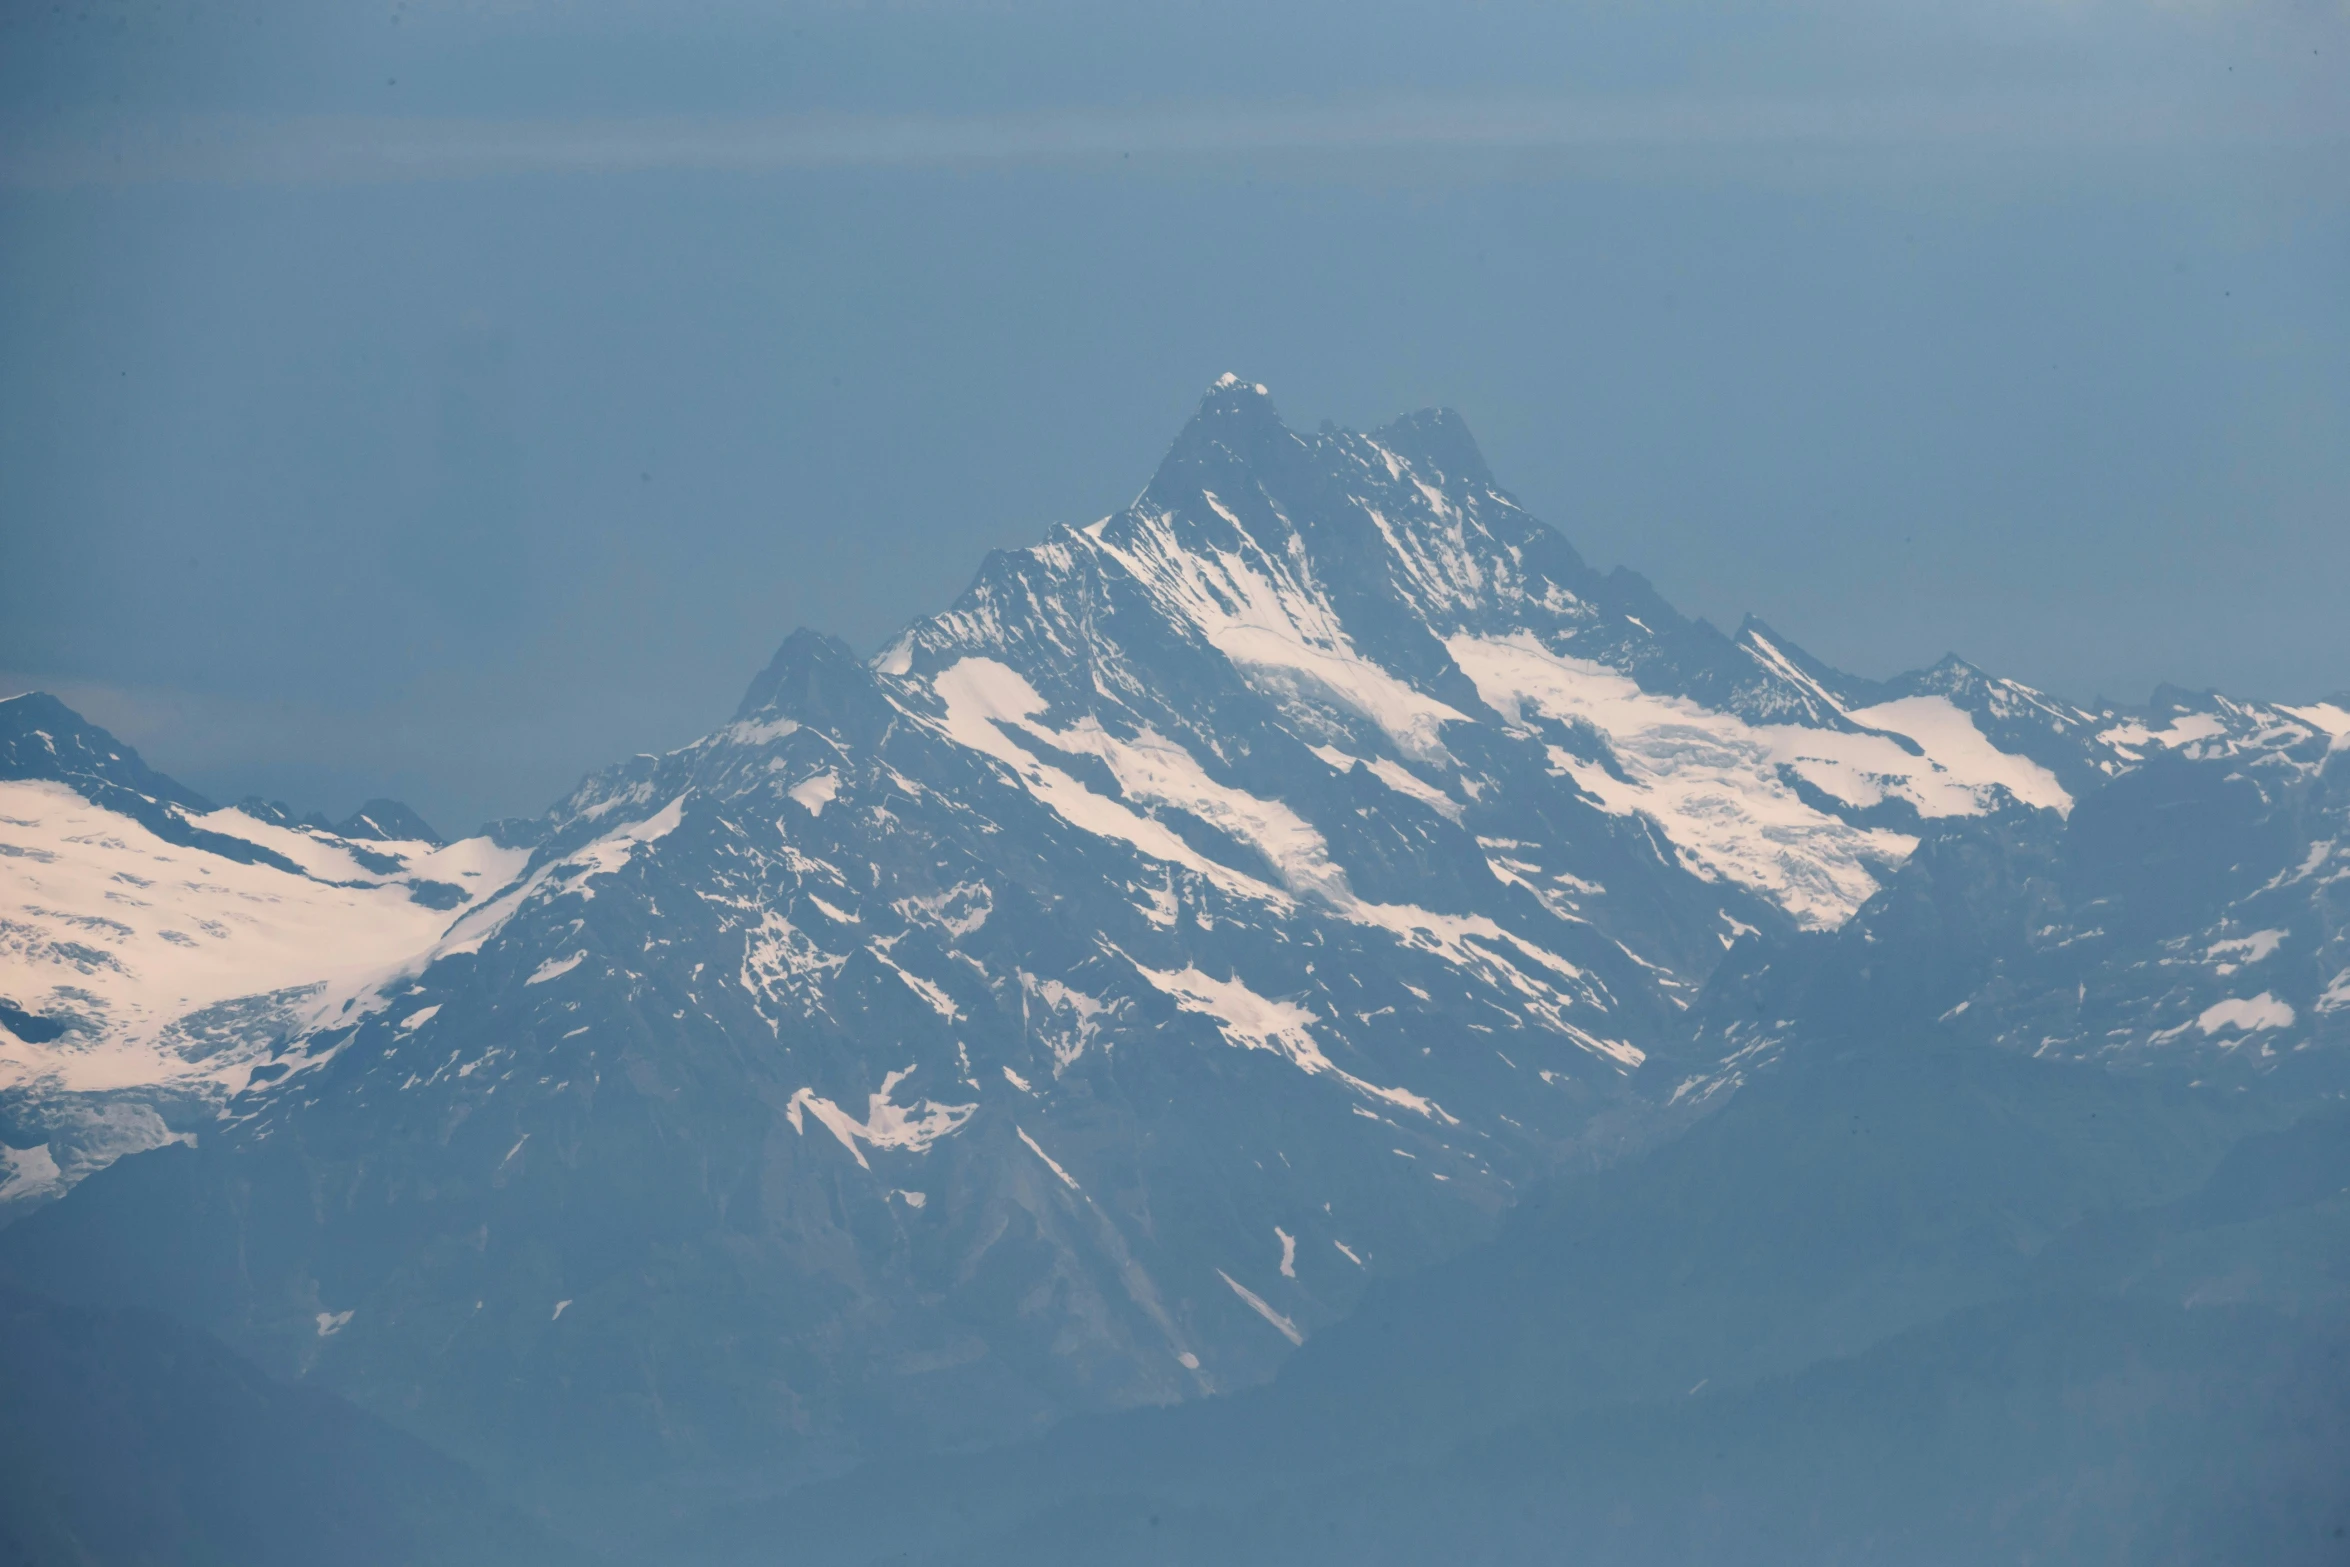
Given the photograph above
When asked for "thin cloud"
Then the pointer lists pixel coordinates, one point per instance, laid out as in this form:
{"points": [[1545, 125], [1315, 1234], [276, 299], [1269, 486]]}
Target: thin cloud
{"points": [[350, 150]]}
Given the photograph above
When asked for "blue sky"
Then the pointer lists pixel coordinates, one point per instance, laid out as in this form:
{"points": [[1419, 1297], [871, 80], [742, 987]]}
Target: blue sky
{"points": [[443, 399]]}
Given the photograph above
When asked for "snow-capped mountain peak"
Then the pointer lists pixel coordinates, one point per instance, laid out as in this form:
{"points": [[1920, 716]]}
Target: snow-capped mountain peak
{"points": [[1218, 905], [155, 949]]}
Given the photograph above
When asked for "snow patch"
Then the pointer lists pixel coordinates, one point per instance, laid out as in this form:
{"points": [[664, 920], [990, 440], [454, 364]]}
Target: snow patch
{"points": [[987, 703], [758, 731], [2248, 1015], [1393, 774], [1963, 754], [1712, 783], [1065, 1021], [31, 1172], [1256, 1303], [780, 962], [103, 922], [982, 697], [569, 876], [911, 1127], [2184, 730], [933, 995], [2336, 995], [959, 911], [1050, 1162], [1252, 1022], [556, 968], [814, 793], [1277, 628], [2329, 717], [2244, 951]]}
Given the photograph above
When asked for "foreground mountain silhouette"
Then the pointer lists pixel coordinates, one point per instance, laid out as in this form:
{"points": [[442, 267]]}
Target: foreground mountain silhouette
{"points": [[130, 1437]]}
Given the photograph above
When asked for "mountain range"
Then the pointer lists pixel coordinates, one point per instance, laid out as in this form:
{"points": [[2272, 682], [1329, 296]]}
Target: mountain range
{"points": [[1303, 991]]}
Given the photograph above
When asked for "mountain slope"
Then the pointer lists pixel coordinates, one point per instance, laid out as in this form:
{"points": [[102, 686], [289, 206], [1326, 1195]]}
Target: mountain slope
{"points": [[127, 1438], [154, 949], [1841, 1198], [2158, 1384], [2030, 1430]]}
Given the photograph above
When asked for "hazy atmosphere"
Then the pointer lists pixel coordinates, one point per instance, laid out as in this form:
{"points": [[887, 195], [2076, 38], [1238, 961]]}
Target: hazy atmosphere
{"points": [[439, 400], [1210, 785]]}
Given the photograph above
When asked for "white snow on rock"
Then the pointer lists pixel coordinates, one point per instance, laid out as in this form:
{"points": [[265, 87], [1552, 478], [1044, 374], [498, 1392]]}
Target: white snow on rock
{"points": [[556, 968], [959, 911], [988, 705], [86, 1134], [1280, 631], [2247, 1014], [2330, 717], [933, 994], [29, 1172], [1253, 1022], [2132, 738], [983, 697], [121, 934], [2336, 996], [1716, 785], [781, 963], [1257, 1304], [758, 731], [912, 1128], [2244, 951], [1961, 754], [1712, 783], [1064, 1020], [814, 793], [569, 876], [1051, 1163], [1396, 776]]}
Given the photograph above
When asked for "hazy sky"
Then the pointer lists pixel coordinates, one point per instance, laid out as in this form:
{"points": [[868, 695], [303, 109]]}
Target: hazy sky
{"points": [[443, 399]]}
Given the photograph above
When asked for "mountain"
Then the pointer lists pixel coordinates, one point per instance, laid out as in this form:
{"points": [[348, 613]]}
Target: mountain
{"points": [[128, 1437], [2037, 1430], [158, 953], [1809, 1331], [1221, 909], [1839, 1201], [2187, 918]]}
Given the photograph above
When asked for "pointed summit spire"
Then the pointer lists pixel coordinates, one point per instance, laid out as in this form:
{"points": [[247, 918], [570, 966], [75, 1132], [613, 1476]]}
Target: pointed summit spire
{"points": [[1232, 404], [1236, 431]]}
